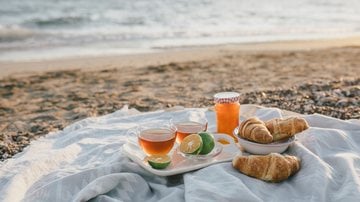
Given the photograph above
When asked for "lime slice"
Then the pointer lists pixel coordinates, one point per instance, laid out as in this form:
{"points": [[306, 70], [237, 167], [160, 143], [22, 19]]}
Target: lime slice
{"points": [[191, 144], [208, 142], [159, 161]]}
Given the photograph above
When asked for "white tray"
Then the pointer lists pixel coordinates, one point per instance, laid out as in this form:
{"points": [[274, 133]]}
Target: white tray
{"points": [[180, 163]]}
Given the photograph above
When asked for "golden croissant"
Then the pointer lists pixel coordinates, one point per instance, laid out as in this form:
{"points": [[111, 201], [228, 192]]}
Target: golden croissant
{"points": [[286, 128], [255, 130], [273, 167]]}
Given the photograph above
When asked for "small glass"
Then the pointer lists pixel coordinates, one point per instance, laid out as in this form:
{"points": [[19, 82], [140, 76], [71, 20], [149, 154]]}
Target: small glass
{"points": [[187, 126], [156, 139]]}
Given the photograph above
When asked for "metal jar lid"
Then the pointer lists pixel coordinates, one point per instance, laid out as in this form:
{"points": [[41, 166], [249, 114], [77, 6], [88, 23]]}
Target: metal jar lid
{"points": [[226, 97]]}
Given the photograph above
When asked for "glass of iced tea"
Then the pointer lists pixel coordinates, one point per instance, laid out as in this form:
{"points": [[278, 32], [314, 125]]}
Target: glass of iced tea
{"points": [[156, 140], [187, 126]]}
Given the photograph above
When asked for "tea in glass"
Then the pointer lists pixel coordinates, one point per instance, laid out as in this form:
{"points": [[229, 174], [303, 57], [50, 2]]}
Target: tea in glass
{"points": [[188, 127], [157, 140]]}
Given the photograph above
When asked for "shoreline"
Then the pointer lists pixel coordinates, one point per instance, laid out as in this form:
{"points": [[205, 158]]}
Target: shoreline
{"points": [[164, 56]]}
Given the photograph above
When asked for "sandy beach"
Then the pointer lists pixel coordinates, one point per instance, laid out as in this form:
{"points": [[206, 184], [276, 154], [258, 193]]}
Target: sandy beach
{"points": [[165, 56], [38, 97], [88, 90]]}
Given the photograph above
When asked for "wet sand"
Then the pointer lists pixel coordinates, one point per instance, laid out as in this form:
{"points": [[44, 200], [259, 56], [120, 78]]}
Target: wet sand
{"points": [[165, 56]]}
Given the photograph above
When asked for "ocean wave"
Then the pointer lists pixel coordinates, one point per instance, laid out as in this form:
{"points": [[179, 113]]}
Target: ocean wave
{"points": [[10, 34], [56, 21], [42, 24]]}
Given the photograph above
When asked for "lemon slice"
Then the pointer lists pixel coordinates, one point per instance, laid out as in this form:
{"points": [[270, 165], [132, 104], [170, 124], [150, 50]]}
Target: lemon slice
{"points": [[208, 142], [191, 144], [159, 161]]}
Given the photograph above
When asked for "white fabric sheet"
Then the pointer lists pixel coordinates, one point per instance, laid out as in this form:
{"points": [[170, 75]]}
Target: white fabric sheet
{"points": [[84, 162]]}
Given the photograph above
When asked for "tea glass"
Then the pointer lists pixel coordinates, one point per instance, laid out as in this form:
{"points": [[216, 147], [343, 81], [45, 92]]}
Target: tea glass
{"points": [[187, 126], [155, 139]]}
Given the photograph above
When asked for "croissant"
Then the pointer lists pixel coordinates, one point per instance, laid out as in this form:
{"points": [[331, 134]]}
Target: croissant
{"points": [[273, 167], [255, 130], [286, 128]]}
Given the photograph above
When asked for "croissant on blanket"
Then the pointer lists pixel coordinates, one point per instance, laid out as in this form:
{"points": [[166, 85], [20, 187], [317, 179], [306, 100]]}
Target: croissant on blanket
{"points": [[273, 167], [276, 129]]}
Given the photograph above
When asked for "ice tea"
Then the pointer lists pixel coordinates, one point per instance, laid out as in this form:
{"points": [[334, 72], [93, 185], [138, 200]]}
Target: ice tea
{"points": [[157, 141], [186, 128]]}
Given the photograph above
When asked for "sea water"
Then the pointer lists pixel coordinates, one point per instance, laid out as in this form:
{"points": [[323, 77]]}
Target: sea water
{"points": [[40, 29]]}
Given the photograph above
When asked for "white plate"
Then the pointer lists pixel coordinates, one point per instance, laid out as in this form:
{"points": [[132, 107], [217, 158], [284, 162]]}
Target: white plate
{"points": [[263, 149], [180, 163]]}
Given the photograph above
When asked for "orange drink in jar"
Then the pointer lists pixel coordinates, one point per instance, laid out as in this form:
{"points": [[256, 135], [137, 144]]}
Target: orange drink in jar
{"points": [[227, 108]]}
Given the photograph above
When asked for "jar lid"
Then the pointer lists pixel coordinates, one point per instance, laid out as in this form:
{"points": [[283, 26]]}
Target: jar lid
{"points": [[226, 97]]}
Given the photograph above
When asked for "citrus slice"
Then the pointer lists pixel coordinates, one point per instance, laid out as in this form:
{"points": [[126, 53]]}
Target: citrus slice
{"points": [[208, 142], [159, 161], [191, 144]]}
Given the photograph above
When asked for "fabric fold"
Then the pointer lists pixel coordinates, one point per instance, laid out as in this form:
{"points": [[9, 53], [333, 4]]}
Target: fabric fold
{"points": [[85, 162]]}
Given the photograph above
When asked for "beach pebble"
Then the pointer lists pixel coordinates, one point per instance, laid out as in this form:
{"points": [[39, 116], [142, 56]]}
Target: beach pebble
{"points": [[21, 138], [354, 91], [34, 128], [29, 110], [336, 99], [328, 100], [308, 108], [342, 103]]}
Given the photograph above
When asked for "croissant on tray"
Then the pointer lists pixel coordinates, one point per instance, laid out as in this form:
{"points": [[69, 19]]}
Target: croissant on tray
{"points": [[273, 167], [255, 130], [286, 128]]}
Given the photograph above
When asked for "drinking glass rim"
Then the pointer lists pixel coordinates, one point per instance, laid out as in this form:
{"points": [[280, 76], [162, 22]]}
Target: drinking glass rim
{"points": [[167, 134], [158, 128], [187, 128]]}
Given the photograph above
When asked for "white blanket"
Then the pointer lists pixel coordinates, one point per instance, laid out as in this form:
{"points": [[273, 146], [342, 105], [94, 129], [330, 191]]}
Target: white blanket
{"points": [[84, 162]]}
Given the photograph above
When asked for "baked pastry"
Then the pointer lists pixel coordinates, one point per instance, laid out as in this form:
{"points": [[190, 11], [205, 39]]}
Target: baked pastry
{"points": [[255, 130], [286, 128], [273, 167]]}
